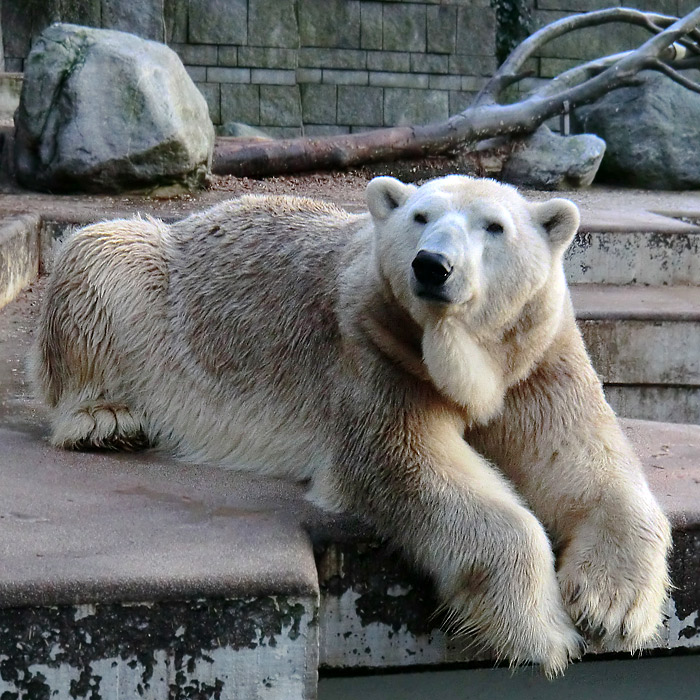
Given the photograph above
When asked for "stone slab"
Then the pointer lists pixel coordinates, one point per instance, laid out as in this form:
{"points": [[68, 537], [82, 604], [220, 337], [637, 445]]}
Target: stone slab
{"points": [[404, 27], [646, 257], [596, 302], [644, 352], [273, 23], [329, 24], [411, 106], [218, 22], [89, 527], [146, 19]]}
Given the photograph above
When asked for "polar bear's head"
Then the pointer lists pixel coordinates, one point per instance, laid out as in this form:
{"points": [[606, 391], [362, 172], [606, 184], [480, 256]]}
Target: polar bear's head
{"points": [[464, 257]]}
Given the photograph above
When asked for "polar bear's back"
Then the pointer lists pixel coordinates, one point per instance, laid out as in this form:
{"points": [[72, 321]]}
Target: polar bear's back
{"points": [[253, 282], [217, 336], [252, 296]]}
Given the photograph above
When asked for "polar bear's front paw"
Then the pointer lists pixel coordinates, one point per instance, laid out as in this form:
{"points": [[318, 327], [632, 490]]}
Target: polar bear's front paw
{"points": [[616, 588], [515, 606], [541, 633]]}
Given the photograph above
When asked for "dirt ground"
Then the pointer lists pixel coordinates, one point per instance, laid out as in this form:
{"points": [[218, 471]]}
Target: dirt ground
{"points": [[343, 188]]}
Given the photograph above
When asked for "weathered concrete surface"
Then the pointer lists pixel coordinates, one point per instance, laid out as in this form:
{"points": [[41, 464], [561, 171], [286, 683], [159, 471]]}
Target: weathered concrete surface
{"points": [[611, 302], [657, 257], [376, 613], [87, 527], [264, 647], [667, 404], [644, 345], [642, 336]]}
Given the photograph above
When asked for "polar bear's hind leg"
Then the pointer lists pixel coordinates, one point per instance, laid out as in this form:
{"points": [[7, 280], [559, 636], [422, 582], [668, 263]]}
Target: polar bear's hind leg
{"points": [[98, 424]]}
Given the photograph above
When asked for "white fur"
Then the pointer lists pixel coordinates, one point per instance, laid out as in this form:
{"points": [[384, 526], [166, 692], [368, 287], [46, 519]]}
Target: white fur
{"points": [[286, 336], [463, 370]]}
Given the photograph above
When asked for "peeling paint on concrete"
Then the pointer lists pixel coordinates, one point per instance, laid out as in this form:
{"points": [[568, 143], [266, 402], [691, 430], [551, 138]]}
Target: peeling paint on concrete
{"points": [[684, 632], [348, 642], [644, 258], [684, 622], [245, 648], [377, 613]]}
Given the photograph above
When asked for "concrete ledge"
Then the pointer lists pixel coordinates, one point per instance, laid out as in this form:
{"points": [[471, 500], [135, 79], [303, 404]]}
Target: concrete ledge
{"points": [[603, 302], [656, 402], [19, 255], [105, 530], [124, 575], [376, 613], [635, 257], [644, 345], [86, 528]]}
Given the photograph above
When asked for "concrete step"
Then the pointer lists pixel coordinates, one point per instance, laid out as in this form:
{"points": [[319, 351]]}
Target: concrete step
{"points": [[135, 575], [121, 571], [645, 346], [654, 251]]}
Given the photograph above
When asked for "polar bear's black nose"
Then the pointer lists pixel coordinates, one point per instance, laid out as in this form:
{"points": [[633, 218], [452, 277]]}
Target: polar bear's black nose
{"points": [[431, 268]]}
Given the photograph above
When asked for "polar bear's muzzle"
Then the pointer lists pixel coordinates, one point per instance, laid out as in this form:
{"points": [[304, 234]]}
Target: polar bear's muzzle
{"points": [[445, 263], [431, 272], [431, 269]]}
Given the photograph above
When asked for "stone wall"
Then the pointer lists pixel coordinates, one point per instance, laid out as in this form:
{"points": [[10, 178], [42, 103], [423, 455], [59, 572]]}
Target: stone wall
{"points": [[338, 66], [327, 66]]}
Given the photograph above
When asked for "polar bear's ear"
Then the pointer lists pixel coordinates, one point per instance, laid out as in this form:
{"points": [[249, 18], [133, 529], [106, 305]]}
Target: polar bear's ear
{"points": [[559, 218], [384, 194]]}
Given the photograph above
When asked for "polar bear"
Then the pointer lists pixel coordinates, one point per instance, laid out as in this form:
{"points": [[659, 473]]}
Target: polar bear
{"points": [[419, 364]]}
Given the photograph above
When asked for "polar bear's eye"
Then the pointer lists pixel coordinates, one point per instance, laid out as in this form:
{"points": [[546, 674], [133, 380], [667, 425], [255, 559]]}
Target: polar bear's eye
{"points": [[494, 228], [420, 218]]}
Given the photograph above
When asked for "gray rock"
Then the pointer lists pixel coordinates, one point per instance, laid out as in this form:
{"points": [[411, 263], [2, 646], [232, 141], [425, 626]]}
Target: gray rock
{"points": [[546, 160], [652, 131], [103, 111]]}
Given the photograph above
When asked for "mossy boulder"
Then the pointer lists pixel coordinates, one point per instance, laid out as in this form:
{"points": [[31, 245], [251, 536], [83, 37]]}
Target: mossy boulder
{"points": [[106, 111]]}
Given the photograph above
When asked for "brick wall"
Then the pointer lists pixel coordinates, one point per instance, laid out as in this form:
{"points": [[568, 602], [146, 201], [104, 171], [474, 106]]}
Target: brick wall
{"points": [[327, 66]]}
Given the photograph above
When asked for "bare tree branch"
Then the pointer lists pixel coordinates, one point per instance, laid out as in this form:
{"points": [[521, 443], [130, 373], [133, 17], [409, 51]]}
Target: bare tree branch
{"points": [[666, 69], [481, 121], [534, 43]]}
